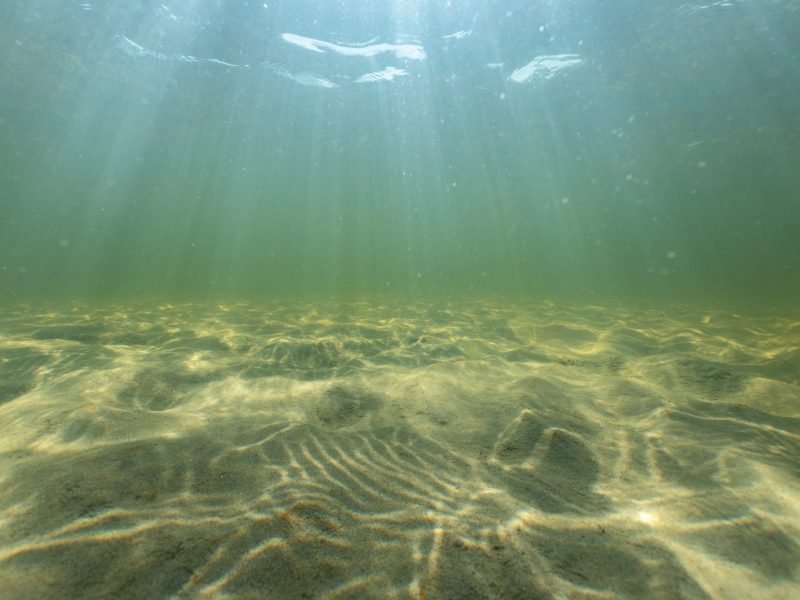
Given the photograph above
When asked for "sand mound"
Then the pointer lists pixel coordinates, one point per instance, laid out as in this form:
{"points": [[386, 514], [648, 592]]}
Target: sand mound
{"points": [[442, 451]]}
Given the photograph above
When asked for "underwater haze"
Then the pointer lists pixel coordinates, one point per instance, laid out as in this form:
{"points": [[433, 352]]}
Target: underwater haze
{"points": [[414, 299], [569, 149]]}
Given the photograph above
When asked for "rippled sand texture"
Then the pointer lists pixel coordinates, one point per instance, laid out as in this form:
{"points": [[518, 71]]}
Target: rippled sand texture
{"points": [[428, 451]]}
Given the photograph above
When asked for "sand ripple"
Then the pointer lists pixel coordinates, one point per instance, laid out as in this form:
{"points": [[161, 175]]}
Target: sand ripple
{"points": [[408, 451]]}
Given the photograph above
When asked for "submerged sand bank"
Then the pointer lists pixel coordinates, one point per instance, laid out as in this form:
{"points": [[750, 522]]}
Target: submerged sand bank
{"points": [[426, 451]]}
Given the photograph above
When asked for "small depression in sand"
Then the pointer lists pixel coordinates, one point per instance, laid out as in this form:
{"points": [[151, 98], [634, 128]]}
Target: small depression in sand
{"points": [[398, 451]]}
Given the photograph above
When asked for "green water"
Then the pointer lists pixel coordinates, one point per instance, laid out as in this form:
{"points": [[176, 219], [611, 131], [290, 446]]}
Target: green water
{"points": [[425, 300], [660, 165]]}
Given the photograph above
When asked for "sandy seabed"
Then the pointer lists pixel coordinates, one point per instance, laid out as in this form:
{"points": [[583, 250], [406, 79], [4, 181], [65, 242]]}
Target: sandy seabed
{"points": [[481, 450]]}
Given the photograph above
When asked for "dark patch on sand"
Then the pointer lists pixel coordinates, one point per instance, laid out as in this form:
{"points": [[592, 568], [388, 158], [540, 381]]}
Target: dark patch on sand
{"points": [[18, 367], [85, 334], [341, 406], [160, 388]]}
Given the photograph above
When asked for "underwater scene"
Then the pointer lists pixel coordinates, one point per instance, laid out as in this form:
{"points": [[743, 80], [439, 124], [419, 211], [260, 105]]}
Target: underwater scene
{"points": [[411, 299]]}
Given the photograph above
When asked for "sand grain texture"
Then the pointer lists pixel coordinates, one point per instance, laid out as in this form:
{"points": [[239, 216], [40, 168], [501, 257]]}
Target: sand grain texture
{"points": [[398, 451]]}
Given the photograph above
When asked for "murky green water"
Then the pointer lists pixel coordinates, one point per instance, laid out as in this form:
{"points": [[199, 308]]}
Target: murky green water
{"points": [[561, 149], [399, 299]]}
